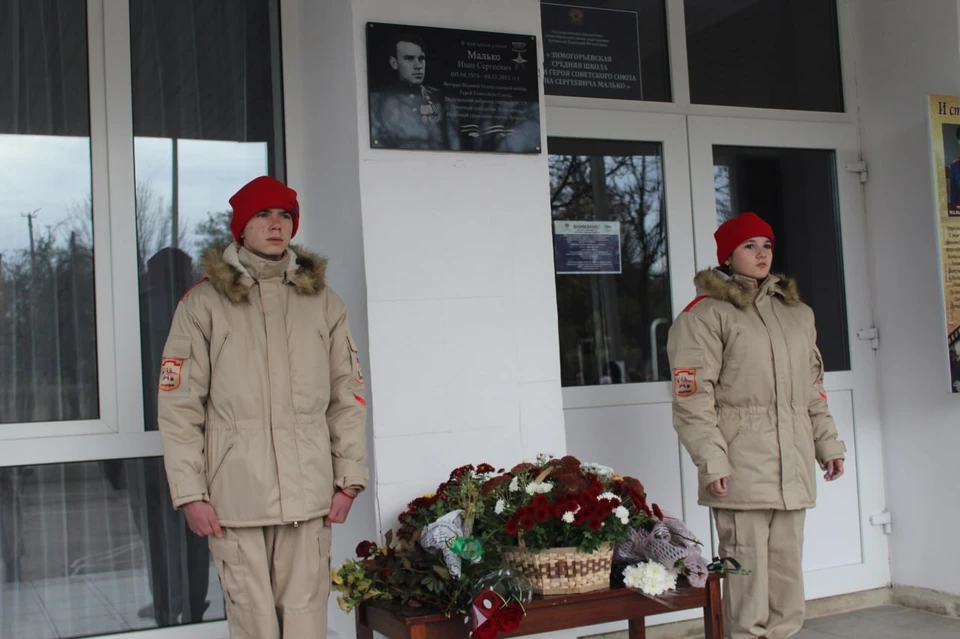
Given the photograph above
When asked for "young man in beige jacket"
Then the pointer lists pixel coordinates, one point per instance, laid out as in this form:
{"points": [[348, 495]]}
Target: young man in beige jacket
{"points": [[263, 420]]}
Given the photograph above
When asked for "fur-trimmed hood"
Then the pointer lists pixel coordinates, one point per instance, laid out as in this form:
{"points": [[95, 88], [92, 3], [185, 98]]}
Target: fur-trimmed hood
{"points": [[740, 291], [306, 272]]}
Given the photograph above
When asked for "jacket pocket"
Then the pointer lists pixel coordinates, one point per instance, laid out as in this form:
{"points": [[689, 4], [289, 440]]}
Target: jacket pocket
{"points": [[216, 352], [233, 573], [219, 444]]}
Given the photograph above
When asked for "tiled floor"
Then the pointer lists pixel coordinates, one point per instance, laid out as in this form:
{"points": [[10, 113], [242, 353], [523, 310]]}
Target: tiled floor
{"points": [[81, 606], [887, 622]]}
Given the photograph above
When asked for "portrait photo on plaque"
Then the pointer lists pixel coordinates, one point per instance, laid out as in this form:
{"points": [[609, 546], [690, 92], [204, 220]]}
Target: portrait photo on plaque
{"points": [[436, 89]]}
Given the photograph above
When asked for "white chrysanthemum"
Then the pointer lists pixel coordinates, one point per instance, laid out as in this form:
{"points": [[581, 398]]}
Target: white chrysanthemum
{"points": [[500, 507], [609, 495], [568, 517], [597, 469], [532, 488], [545, 487], [515, 484], [622, 514], [650, 578]]}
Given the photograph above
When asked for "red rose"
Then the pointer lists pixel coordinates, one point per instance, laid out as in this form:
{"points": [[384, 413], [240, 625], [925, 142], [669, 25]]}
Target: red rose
{"points": [[486, 630], [488, 601], [527, 522], [542, 515], [366, 549], [657, 512], [509, 617], [511, 527]]}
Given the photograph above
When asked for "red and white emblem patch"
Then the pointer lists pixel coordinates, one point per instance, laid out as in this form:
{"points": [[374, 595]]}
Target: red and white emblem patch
{"points": [[684, 382], [170, 371]]}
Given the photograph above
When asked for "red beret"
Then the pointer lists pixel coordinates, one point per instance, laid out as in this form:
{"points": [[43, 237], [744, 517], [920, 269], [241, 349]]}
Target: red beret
{"points": [[261, 194], [735, 232]]}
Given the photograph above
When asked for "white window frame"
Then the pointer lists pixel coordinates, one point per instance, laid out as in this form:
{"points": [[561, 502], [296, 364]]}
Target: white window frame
{"points": [[118, 432]]}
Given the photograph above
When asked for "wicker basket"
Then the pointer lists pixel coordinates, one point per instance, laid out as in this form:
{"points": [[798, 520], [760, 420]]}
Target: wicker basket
{"points": [[562, 571]]}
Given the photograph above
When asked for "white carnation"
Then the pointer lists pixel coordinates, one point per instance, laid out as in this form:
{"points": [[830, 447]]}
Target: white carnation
{"points": [[650, 578], [597, 469], [500, 507], [568, 517], [622, 514], [515, 484]]}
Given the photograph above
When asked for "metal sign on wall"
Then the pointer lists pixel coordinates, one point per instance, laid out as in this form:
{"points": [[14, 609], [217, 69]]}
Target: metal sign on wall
{"points": [[452, 90], [591, 52]]}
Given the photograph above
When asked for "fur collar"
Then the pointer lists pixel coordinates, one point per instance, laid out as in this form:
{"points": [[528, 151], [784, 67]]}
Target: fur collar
{"points": [[718, 285], [306, 272]]}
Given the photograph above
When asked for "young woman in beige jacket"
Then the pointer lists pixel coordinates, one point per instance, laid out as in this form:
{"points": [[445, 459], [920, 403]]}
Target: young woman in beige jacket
{"points": [[750, 408]]}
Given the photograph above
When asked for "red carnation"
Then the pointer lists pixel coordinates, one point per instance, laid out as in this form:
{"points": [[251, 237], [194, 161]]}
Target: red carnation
{"points": [[542, 515], [366, 549], [657, 512], [559, 510], [570, 461], [527, 522], [495, 482], [523, 511], [541, 501], [486, 630], [485, 468], [511, 527], [509, 617], [595, 524]]}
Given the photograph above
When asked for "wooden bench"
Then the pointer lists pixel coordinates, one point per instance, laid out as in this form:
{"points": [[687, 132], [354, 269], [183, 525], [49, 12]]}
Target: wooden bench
{"points": [[547, 614]]}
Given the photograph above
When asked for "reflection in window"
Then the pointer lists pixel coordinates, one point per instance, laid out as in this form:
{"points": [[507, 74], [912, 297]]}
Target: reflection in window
{"points": [[770, 54], [613, 327], [206, 118], [795, 191], [75, 553], [48, 341]]}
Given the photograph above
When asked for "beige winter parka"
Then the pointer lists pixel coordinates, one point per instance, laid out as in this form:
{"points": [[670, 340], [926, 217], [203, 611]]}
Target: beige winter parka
{"points": [[748, 392], [261, 399]]}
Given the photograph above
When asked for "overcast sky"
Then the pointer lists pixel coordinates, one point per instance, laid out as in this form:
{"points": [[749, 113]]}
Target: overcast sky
{"points": [[52, 173]]}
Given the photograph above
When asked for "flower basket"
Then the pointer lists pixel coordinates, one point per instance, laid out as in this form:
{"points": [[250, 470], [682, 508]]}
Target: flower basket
{"points": [[562, 571]]}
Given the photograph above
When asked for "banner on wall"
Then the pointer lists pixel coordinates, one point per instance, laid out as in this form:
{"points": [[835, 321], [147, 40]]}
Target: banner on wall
{"points": [[438, 89], [582, 248], [943, 113]]}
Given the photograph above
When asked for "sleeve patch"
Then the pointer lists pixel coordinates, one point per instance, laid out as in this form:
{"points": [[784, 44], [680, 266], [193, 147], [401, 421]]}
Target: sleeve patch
{"points": [[684, 382], [170, 373]]}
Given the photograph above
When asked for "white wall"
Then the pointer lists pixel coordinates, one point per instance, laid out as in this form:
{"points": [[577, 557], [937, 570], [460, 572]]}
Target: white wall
{"points": [[460, 289], [909, 49]]}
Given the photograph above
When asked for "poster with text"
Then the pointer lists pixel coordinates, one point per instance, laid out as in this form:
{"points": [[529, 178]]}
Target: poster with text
{"points": [[591, 52], [587, 248], [437, 89], [944, 118]]}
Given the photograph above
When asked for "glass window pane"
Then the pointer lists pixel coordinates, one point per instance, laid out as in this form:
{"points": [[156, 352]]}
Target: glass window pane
{"points": [[795, 191], [772, 54], [630, 34], [94, 548], [48, 340], [206, 107], [613, 327]]}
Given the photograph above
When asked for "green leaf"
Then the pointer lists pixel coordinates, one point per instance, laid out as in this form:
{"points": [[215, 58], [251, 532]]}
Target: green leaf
{"points": [[443, 572]]}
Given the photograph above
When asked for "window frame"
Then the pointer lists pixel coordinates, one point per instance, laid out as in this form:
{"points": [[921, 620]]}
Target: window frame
{"points": [[119, 432], [670, 131]]}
